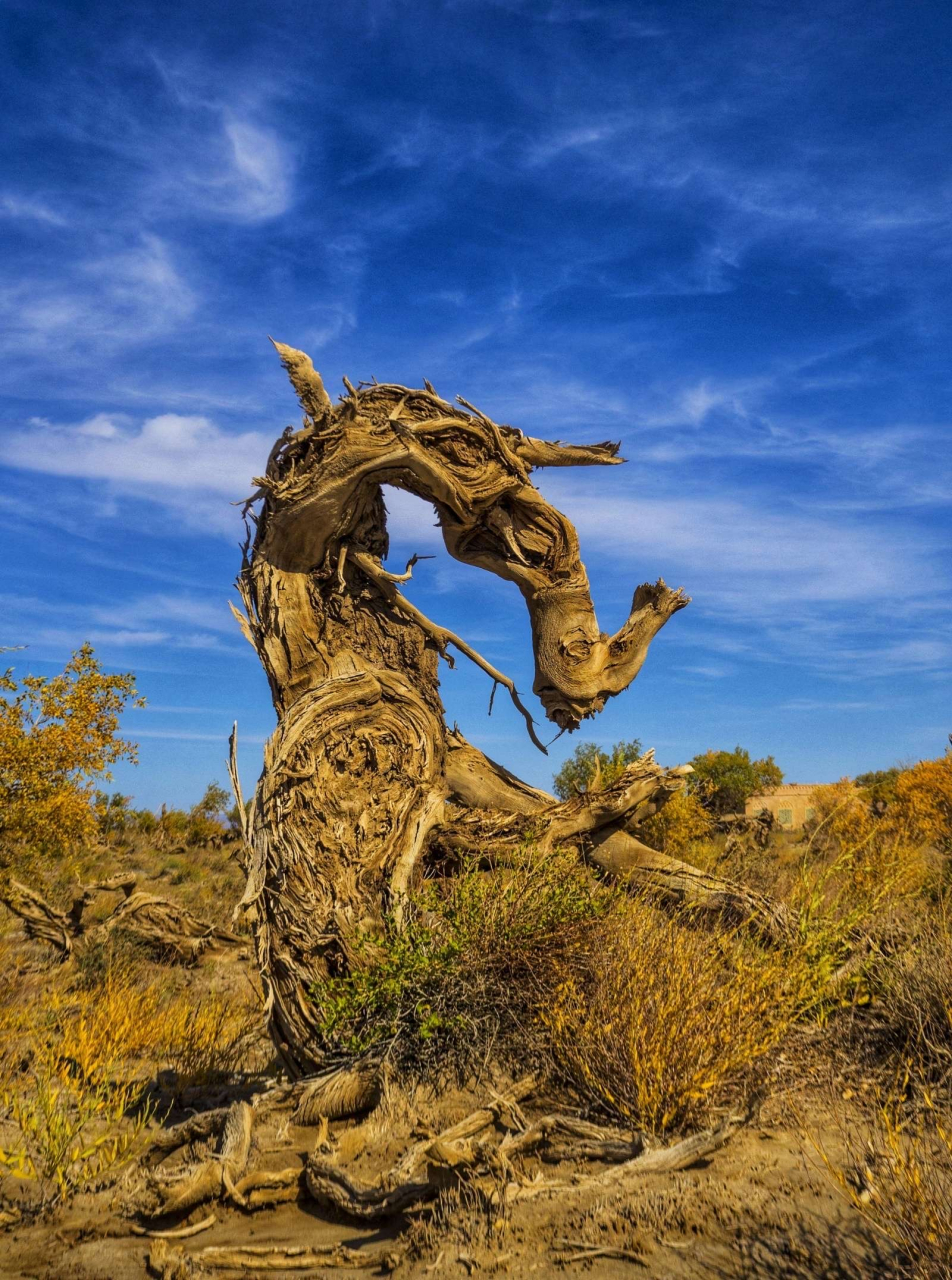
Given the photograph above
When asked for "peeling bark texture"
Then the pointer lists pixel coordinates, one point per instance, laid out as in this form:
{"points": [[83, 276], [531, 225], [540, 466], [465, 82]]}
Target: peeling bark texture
{"points": [[358, 775]]}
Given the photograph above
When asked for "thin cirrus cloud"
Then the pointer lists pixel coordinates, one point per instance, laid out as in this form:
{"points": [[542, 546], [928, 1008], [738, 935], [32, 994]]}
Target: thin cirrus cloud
{"points": [[214, 152], [188, 463], [162, 620], [30, 210], [775, 555], [130, 294], [227, 168]]}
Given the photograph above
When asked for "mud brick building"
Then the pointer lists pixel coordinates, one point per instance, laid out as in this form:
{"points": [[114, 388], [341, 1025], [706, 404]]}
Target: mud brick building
{"points": [[791, 804]]}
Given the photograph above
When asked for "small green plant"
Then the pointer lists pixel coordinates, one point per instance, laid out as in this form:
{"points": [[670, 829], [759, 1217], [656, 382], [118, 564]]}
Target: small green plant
{"points": [[72, 1130], [471, 968]]}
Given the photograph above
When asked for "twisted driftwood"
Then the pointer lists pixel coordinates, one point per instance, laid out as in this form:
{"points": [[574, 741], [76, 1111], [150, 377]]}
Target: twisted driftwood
{"points": [[362, 779], [169, 929]]}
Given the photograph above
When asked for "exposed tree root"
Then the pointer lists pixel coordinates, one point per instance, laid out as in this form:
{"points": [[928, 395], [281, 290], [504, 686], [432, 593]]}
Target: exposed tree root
{"points": [[624, 857], [556, 1138], [219, 1175], [680, 1155], [466, 1154], [195, 1129], [41, 922], [179, 1233], [170, 930], [445, 1162]]}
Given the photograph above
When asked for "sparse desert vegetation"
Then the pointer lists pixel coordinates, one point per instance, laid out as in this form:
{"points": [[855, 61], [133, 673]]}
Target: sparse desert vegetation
{"points": [[582, 1019]]}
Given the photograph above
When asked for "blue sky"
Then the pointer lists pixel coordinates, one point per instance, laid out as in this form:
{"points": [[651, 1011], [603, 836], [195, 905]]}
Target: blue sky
{"points": [[719, 233]]}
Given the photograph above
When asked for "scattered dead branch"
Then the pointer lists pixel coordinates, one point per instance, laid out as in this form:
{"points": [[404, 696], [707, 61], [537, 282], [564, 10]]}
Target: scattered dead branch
{"points": [[171, 931], [170, 1263], [571, 1251], [179, 1233]]}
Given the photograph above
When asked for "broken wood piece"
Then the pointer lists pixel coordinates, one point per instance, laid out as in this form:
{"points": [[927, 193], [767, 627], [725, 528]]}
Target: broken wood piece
{"points": [[177, 1233], [680, 1155], [573, 1251], [217, 1175]]}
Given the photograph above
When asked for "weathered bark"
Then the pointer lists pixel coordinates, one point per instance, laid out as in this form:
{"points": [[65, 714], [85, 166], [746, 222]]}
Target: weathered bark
{"points": [[358, 773]]}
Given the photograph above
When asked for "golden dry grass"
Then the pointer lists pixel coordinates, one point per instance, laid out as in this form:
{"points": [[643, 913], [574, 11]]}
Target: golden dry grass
{"points": [[669, 1014], [898, 1175], [79, 1060]]}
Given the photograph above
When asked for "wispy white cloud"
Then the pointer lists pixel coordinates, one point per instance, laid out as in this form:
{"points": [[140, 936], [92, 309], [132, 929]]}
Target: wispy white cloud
{"points": [[30, 210], [160, 621], [789, 555], [336, 322], [129, 296], [187, 612], [224, 167], [837, 592], [260, 180], [173, 735], [214, 152], [184, 462], [811, 705]]}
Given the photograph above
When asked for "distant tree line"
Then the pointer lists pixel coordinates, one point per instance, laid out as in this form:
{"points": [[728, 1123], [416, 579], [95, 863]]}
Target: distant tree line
{"points": [[723, 781], [916, 797], [212, 820]]}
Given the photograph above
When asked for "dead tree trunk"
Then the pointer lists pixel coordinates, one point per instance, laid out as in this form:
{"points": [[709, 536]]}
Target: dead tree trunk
{"points": [[358, 775]]}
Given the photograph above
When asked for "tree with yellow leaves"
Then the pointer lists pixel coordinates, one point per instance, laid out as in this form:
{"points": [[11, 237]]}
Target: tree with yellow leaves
{"points": [[58, 735], [924, 800]]}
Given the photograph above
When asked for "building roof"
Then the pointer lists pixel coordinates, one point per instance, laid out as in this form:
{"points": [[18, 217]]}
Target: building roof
{"points": [[788, 789]]}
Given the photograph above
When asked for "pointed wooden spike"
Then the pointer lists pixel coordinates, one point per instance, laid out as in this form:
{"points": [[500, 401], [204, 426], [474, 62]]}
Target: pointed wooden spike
{"points": [[305, 380]]}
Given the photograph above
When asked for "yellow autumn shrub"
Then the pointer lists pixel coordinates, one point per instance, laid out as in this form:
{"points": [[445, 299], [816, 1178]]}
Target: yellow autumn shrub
{"points": [[678, 826], [76, 1063], [923, 803], [919, 809], [843, 816], [667, 1014], [70, 1129], [57, 735]]}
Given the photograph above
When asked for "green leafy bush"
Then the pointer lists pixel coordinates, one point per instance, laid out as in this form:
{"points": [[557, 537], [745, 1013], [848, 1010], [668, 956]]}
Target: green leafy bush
{"points": [[474, 963], [725, 780], [590, 767]]}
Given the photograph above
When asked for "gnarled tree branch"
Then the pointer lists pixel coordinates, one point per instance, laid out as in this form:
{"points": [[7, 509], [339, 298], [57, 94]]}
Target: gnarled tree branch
{"points": [[358, 773]]}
